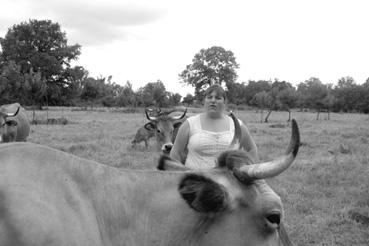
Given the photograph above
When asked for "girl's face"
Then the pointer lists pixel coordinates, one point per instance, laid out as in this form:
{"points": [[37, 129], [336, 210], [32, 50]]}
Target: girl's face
{"points": [[214, 103]]}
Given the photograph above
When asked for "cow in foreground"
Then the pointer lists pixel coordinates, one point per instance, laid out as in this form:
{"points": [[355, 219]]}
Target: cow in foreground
{"points": [[49, 197], [165, 128], [14, 124]]}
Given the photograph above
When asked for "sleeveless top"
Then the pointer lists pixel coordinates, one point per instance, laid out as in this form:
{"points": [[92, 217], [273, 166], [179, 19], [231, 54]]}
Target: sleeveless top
{"points": [[204, 146]]}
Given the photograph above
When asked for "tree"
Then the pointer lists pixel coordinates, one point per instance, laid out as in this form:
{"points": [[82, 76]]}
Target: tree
{"points": [[276, 87], [154, 93], [302, 100], [174, 99], [110, 92], [314, 93], [210, 66], [287, 99], [347, 94], [188, 99], [236, 93], [11, 84], [36, 90], [366, 84], [363, 105], [262, 100], [72, 85], [346, 82], [40, 45], [35, 87], [328, 101], [126, 96], [92, 89], [254, 87]]}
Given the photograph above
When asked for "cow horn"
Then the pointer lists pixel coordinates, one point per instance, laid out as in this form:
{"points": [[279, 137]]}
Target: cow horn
{"points": [[150, 118], [180, 116], [7, 114], [275, 167], [158, 110], [237, 132]]}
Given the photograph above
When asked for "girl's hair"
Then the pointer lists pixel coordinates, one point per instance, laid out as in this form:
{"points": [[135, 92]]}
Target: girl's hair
{"points": [[218, 90]]}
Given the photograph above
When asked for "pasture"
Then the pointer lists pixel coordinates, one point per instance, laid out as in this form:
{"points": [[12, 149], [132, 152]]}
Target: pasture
{"points": [[325, 192]]}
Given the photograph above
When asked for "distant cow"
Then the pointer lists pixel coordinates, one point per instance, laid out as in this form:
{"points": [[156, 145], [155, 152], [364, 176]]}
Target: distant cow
{"points": [[14, 124], [165, 128], [143, 135], [50, 197]]}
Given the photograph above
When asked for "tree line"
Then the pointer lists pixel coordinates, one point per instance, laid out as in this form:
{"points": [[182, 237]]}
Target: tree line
{"points": [[35, 69], [312, 94]]}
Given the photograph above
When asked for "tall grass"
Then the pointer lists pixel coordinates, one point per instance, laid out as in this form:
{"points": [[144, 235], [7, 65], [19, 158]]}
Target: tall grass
{"points": [[324, 188]]}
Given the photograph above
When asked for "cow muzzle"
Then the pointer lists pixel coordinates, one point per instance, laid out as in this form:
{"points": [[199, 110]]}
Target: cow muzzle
{"points": [[166, 148]]}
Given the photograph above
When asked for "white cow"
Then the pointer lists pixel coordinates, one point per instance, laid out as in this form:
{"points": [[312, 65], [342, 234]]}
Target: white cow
{"points": [[14, 124], [49, 197]]}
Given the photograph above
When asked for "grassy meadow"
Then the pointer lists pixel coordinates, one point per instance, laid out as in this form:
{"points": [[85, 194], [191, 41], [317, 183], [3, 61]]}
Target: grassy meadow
{"points": [[325, 192]]}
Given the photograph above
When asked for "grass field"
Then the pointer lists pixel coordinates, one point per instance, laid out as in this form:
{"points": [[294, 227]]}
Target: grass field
{"points": [[325, 192]]}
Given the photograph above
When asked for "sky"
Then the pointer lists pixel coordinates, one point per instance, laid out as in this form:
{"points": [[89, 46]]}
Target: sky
{"points": [[145, 41]]}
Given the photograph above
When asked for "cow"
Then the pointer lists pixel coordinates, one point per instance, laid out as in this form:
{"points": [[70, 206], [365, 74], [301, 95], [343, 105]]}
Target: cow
{"points": [[144, 135], [50, 197], [14, 124], [165, 128]]}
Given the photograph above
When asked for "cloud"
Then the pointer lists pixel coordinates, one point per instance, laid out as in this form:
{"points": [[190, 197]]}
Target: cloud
{"points": [[89, 22], [99, 24]]}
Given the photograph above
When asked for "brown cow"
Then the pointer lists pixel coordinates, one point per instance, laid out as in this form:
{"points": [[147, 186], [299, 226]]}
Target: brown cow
{"points": [[14, 124], [165, 128], [49, 197], [142, 135]]}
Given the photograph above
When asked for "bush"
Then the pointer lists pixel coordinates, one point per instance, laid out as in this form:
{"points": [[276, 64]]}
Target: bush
{"points": [[51, 121], [108, 101]]}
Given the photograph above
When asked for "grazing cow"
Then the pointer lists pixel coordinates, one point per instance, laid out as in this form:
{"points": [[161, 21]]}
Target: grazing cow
{"points": [[165, 128], [49, 197], [144, 135], [14, 124]]}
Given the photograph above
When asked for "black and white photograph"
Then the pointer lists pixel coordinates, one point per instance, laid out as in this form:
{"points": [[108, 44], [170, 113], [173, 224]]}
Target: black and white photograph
{"points": [[184, 123]]}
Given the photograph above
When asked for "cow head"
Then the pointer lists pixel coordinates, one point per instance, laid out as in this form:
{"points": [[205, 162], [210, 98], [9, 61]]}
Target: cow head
{"points": [[8, 127], [165, 127], [235, 203]]}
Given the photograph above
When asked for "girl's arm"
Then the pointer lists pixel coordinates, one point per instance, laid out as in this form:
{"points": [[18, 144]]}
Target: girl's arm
{"points": [[179, 149]]}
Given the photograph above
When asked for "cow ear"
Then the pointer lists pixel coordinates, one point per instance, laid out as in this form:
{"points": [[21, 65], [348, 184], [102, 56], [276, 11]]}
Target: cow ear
{"points": [[177, 124], [11, 123], [203, 194], [149, 126]]}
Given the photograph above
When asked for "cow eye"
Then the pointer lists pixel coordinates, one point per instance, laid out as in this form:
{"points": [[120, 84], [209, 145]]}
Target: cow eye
{"points": [[273, 220], [11, 123], [158, 130]]}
